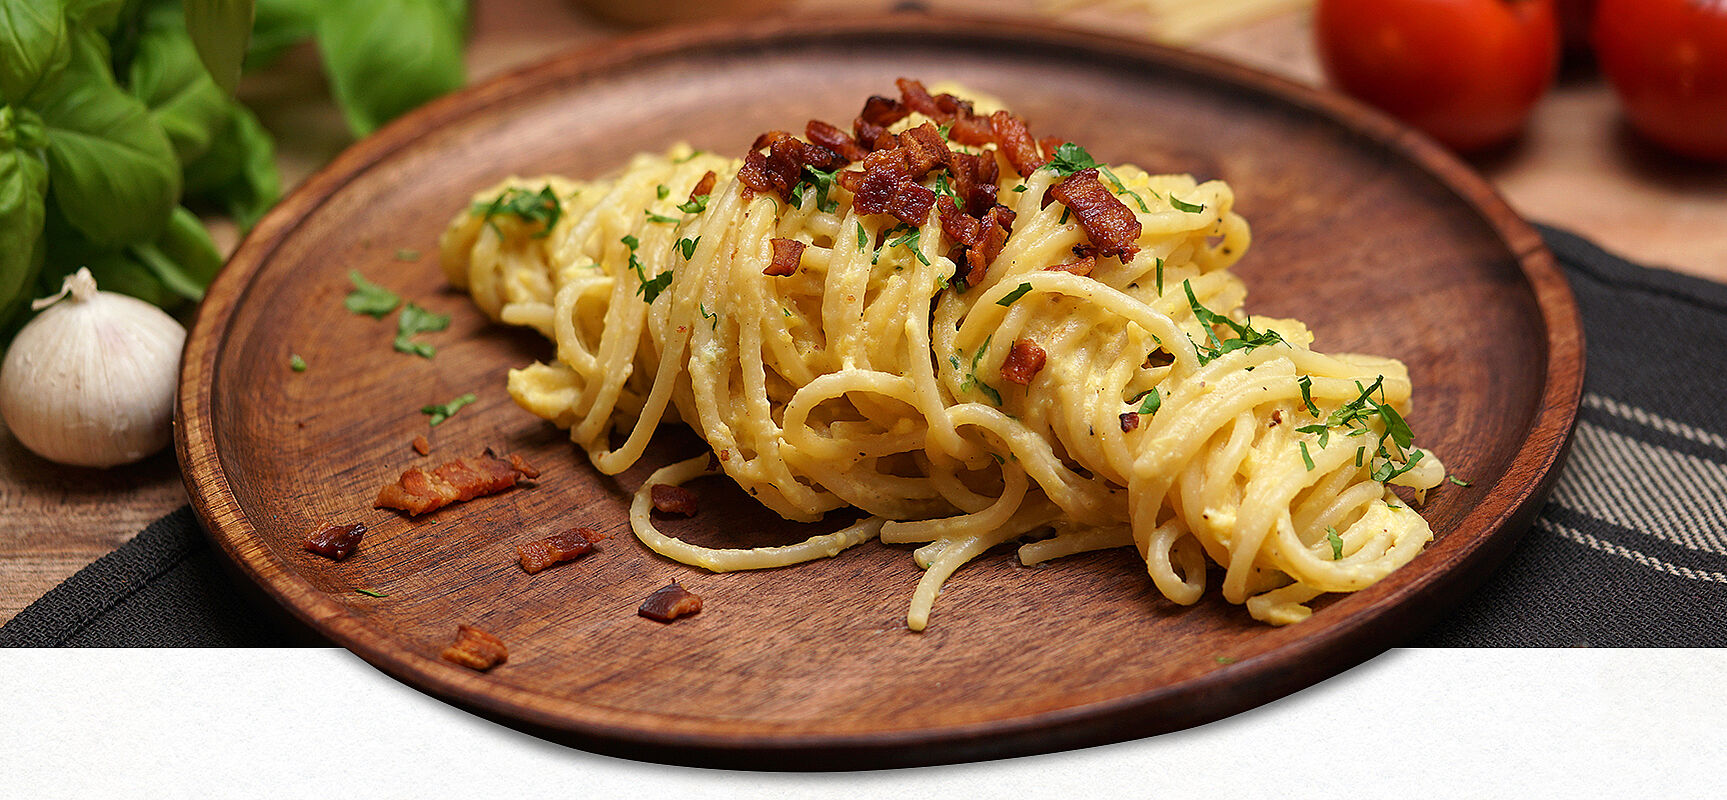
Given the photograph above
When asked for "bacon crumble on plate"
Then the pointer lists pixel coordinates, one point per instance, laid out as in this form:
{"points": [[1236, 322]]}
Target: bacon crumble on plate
{"points": [[1108, 222], [335, 542], [669, 603], [557, 549], [787, 254], [669, 499], [476, 649], [420, 491]]}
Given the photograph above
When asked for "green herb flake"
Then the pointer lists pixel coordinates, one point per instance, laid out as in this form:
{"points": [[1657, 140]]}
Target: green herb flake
{"points": [[1245, 336], [1306, 385], [713, 319], [1225, 660], [1323, 433], [542, 207], [695, 205], [660, 218], [1019, 188], [298, 364], [1458, 481], [911, 241], [1065, 211], [863, 238], [416, 320], [439, 413], [687, 247], [1070, 158], [693, 154], [1182, 205], [648, 288], [407, 254], [661, 191], [1305, 458], [1336, 543], [370, 298], [998, 459], [1007, 300], [371, 593], [1160, 277], [1149, 402]]}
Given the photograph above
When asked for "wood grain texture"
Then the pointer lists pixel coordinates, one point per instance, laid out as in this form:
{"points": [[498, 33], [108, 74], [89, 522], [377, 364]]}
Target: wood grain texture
{"points": [[1379, 240]]}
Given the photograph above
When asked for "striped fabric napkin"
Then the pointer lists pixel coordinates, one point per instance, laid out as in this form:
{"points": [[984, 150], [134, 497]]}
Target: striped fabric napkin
{"points": [[1631, 549]]}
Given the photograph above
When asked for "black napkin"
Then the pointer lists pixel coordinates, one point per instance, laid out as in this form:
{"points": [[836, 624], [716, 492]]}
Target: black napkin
{"points": [[1630, 550]]}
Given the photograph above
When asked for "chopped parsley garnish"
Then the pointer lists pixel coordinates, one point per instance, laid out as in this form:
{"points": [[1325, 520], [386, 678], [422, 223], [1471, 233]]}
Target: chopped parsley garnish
{"points": [[1160, 277], [1019, 188], [439, 413], [370, 298], [660, 218], [912, 241], [695, 205], [1336, 543], [1394, 444], [713, 319], [649, 288], [688, 247], [1305, 458], [298, 364], [371, 593], [863, 238], [1007, 300], [823, 182], [971, 380], [1458, 481], [1149, 402], [542, 207], [407, 254], [1182, 205], [1245, 336], [693, 154], [1065, 211], [1225, 660], [661, 191], [415, 320], [942, 187], [1306, 385]]}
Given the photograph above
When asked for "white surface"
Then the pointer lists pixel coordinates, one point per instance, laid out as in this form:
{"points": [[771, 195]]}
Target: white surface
{"points": [[260, 723]]}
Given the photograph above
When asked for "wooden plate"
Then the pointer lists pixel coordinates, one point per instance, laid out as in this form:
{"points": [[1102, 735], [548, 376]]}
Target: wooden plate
{"points": [[1372, 234]]}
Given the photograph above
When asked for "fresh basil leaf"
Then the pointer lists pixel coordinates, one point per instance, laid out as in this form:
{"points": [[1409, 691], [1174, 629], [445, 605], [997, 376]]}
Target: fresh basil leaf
{"points": [[184, 258], [113, 169], [388, 56], [180, 94], [238, 171], [220, 31], [35, 46], [23, 200], [276, 26]]}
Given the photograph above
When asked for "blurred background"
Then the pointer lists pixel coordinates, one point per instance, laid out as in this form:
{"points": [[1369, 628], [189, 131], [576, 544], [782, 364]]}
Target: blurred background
{"points": [[1622, 142]]}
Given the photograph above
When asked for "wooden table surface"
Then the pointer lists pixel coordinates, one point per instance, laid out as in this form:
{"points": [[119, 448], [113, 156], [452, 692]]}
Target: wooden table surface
{"points": [[1577, 167]]}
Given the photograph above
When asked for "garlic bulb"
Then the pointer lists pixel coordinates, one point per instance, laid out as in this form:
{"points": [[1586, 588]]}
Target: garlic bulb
{"points": [[90, 381]]}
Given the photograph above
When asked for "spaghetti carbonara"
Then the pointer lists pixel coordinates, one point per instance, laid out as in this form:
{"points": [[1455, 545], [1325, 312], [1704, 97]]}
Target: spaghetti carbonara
{"points": [[1078, 388]]}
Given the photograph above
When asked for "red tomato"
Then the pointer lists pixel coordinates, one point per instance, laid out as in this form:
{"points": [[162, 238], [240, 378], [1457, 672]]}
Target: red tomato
{"points": [[1667, 59], [1465, 71]]}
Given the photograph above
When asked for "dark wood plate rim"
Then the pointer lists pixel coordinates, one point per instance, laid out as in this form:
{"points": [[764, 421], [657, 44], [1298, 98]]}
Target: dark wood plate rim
{"points": [[1368, 621]]}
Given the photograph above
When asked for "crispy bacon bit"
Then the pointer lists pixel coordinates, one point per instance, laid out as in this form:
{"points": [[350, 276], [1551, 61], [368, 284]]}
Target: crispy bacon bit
{"points": [[335, 542], [787, 254], [1023, 362], [476, 649], [882, 112], [1015, 142], [971, 129], [754, 173], [1129, 421], [419, 491], [1049, 144], [974, 180], [1107, 221], [422, 445], [924, 150], [917, 98], [1081, 267], [669, 603], [704, 186], [1276, 418], [768, 139], [911, 203], [669, 499], [567, 546], [966, 230], [834, 139]]}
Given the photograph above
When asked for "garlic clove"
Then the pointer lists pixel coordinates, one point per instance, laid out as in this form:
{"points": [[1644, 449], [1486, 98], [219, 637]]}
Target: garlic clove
{"points": [[91, 380]]}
